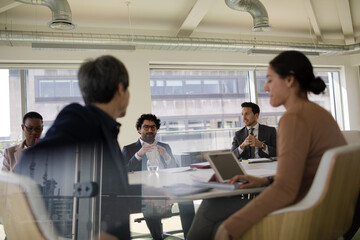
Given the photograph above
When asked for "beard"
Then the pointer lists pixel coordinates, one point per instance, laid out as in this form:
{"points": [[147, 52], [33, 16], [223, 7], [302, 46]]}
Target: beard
{"points": [[249, 123], [149, 137]]}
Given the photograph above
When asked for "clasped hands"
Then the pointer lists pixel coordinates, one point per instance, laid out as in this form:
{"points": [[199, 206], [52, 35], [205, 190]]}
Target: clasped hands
{"points": [[150, 147], [251, 141]]}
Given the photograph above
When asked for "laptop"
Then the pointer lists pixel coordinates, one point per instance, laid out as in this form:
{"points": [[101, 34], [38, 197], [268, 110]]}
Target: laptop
{"points": [[225, 165]]}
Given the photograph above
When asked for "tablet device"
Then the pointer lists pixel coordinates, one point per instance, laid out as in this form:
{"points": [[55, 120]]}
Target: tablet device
{"points": [[225, 165]]}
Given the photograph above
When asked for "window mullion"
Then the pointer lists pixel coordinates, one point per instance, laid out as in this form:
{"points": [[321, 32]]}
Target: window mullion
{"points": [[252, 87]]}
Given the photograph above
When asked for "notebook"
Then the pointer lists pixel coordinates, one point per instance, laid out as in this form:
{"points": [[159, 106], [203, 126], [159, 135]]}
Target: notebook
{"points": [[203, 165]]}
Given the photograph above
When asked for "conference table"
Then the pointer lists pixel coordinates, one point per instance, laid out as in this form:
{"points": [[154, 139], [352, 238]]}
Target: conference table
{"points": [[175, 180]]}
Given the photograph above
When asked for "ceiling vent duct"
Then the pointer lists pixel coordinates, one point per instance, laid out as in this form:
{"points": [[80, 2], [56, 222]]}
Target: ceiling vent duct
{"points": [[91, 41], [257, 11], [271, 52], [61, 13]]}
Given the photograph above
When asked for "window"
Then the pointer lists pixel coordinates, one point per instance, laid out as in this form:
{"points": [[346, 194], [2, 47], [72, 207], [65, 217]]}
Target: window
{"points": [[174, 87], [11, 119], [50, 90], [193, 87], [60, 86], [47, 92], [271, 116], [200, 109], [211, 86], [196, 103], [324, 99]]}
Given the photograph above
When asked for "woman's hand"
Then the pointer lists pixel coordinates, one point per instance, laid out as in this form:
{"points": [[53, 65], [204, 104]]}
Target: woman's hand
{"points": [[249, 181], [222, 233]]}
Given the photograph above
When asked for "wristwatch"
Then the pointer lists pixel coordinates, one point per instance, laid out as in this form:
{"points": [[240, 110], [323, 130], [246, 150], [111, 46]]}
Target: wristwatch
{"points": [[263, 146]]}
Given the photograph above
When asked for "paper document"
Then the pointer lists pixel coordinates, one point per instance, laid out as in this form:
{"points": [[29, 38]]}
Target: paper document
{"points": [[218, 185], [202, 165], [259, 160], [182, 189]]}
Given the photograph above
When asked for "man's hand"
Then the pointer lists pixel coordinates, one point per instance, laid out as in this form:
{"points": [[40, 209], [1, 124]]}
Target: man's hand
{"points": [[162, 152], [251, 141], [144, 149], [255, 142], [246, 142], [249, 181]]}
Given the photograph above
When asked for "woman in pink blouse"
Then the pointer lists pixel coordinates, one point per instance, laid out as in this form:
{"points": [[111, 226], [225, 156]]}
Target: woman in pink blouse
{"points": [[305, 132]]}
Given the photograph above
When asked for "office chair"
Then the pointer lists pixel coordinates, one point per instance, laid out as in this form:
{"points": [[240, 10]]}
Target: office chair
{"points": [[327, 211], [22, 211], [170, 213]]}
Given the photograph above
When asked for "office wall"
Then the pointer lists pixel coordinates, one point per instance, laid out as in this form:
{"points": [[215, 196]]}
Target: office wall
{"points": [[138, 61]]}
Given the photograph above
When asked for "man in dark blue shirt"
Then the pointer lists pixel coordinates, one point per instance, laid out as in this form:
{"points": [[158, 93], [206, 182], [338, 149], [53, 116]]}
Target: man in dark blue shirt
{"points": [[85, 137]]}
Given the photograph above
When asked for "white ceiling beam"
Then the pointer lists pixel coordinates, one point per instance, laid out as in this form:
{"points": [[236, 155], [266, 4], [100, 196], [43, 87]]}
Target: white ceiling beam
{"points": [[7, 5], [313, 20], [196, 14], [343, 8]]}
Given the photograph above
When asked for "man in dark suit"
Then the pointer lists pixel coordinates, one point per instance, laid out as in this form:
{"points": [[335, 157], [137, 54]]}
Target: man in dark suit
{"points": [[254, 140], [137, 155], [87, 132]]}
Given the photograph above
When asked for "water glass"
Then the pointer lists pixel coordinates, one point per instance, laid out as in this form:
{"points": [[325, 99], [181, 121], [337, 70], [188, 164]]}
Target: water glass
{"points": [[152, 165]]}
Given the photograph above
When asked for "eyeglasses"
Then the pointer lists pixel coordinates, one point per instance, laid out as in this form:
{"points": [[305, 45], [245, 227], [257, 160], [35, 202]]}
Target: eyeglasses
{"points": [[36, 129], [147, 127]]}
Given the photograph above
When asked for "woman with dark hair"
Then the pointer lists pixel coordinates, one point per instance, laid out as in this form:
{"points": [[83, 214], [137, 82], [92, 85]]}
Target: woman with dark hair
{"points": [[305, 132]]}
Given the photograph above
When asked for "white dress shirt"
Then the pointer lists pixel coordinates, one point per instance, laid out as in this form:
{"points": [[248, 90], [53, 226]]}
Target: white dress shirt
{"points": [[154, 154]]}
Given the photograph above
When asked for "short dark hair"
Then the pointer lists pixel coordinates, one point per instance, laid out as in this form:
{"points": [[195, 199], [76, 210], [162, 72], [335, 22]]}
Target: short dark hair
{"points": [[99, 79], [254, 107], [149, 117], [32, 115], [298, 65]]}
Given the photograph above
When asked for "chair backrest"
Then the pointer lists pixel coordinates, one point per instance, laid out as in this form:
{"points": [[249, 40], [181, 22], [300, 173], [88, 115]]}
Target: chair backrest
{"points": [[352, 137], [327, 210], [22, 210]]}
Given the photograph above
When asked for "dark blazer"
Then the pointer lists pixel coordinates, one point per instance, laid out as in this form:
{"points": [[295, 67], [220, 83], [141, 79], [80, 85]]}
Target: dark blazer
{"points": [[266, 134], [136, 165], [83, 132]]}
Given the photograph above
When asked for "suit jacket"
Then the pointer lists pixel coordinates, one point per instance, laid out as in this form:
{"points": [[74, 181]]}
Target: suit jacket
{"points": [[83, 131], [136, 165], [266, 134], [12, 157]]}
